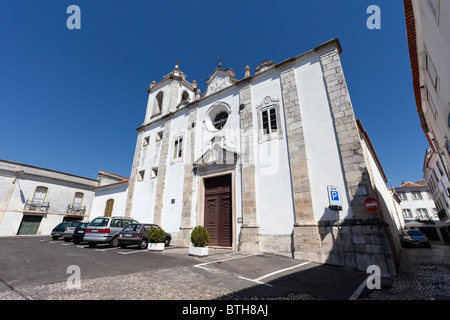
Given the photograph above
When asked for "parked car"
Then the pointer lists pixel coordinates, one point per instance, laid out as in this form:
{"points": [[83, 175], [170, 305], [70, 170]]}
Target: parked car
{"points": [[414, 238], [105, 230], [58, 231], [68, 232], [137, 234], [78, 233]]}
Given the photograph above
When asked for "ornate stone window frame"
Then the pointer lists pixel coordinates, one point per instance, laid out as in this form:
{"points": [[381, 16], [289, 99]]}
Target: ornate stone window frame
{"points": [[267, 104], [217, 108], [179, 135]]}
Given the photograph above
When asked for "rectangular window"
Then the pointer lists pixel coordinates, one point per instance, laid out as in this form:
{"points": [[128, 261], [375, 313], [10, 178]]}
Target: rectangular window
{"points": [[159, 136], [402, 195], [146, 141], [39, 196], [431, 71], [417, 195], [407, 213], [439, 168], [178, 148], [269, 121], [422, 214], [435, 211], [154, 173], [77, 200], [434, 4], [141, 175]]}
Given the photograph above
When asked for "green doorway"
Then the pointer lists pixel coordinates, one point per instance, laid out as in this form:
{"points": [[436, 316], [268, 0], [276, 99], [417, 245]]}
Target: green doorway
{"points": [[29, 225]]}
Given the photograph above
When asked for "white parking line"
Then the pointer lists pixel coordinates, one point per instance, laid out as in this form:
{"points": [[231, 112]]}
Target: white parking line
{"points": [[358, 290], [258, 280], [202, 265], [107, 249], [132, 251]]}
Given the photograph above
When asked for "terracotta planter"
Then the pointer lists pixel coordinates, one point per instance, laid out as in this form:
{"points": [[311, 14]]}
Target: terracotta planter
{"points": [[155, 246], [198, 251]]}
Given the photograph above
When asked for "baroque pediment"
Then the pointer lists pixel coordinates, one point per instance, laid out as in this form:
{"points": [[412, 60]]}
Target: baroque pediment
{"points": [[220, 80], [217, 152]]}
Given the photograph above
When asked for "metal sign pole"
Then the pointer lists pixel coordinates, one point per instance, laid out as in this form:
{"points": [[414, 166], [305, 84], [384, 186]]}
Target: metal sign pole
{"points": [[339, 235]]}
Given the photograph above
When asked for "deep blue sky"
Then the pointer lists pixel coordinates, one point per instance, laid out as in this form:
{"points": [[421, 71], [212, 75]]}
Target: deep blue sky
{"points": [[70, 100]]}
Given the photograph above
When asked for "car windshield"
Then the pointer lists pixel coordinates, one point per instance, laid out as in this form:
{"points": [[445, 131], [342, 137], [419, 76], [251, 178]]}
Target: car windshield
{"points": [[132, 227], [61, 226], [75, 224], [99, 222], [415, 233]]}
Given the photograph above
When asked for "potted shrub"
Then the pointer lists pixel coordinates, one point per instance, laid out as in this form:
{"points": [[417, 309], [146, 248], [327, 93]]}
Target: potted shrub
{"points": [[156, 239], [200, 240]]}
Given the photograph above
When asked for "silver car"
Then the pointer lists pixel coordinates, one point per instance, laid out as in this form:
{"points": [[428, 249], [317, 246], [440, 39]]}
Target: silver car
{"points": [[106, 230]]}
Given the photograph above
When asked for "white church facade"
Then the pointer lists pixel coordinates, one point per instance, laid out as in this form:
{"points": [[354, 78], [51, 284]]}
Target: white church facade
{"points": [[251, 159]]}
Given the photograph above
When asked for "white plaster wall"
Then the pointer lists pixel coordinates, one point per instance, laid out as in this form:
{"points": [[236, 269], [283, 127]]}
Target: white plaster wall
{"points": [[5, 183], [145, 190], [48, 222], [165, 87], [232, 132], [426, 202], [174, 179], [433, 35], [10, 223], [59, 194], [272, 175], [324, 163], [118, 193]]}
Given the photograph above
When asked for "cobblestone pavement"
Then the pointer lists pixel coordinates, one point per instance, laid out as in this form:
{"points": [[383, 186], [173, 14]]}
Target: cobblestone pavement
{"points": [[424, 275]]}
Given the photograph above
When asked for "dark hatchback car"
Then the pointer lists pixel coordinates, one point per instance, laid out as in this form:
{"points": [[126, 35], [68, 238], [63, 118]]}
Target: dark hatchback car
{"points": [[58, 231], [414, 238], [137, 234], [68, 233], [78, 233]]}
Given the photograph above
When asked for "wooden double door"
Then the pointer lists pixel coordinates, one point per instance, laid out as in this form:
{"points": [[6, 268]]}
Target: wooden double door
{"points": [[218, 210]]}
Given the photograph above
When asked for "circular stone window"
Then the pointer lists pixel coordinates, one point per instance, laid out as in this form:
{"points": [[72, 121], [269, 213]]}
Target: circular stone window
{"points": [[220, 120], [217, 117]]}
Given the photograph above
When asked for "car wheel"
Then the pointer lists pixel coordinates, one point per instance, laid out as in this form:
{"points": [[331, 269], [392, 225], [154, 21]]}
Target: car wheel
{"points": [[143, 244], [167, 242], [55, 237], [114, 242]]}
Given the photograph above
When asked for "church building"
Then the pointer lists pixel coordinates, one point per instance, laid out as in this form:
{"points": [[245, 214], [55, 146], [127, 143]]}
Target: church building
{"points": [[251, 160]]}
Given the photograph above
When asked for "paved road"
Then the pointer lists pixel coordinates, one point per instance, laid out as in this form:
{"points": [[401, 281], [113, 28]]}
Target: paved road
{"points": [[36, 268]]}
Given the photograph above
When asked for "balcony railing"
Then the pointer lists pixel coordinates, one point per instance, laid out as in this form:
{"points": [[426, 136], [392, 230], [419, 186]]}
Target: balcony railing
{"points": [[76, 210], [37, 206]]}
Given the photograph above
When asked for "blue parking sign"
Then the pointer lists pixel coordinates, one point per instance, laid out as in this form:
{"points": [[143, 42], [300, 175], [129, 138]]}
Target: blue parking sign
{"points": [[334, 196]]}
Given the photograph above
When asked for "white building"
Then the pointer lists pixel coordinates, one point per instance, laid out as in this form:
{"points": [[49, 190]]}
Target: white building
{"points": [[419, 210], [250, 159], [34, 200], [110, 195], [437, 180], [428, 32]]}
